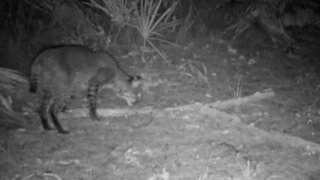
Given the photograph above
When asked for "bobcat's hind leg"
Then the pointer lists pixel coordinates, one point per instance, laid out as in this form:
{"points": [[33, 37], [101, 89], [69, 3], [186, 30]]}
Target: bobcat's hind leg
{"points": [[54, 110], [43, 110], [44, 116]]}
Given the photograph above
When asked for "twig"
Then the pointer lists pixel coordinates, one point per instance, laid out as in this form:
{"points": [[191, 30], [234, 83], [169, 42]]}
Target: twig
{"points": [[258, 96], [52, 175]]}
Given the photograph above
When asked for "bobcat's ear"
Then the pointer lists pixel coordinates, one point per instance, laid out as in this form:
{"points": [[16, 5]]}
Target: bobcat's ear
{"points": [[136, 84], [135, 81]]}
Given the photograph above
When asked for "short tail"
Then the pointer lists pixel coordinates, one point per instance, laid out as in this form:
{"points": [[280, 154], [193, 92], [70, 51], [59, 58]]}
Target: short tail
{"points": [[33, 83]]}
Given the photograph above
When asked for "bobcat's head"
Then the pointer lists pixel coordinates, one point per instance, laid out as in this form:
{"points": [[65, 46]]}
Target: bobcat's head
{"points": [[128, 90]]}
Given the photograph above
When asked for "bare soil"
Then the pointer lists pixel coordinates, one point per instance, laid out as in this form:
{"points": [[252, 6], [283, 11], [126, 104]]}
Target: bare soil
{"points": [[199, 118]]}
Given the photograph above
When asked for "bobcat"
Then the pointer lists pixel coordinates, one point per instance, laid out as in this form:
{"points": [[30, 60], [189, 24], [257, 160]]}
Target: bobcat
{"points": [[60, 73]]}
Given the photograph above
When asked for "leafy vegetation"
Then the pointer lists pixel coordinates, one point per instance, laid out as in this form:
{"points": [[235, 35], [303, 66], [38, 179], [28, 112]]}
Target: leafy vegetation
{"points": [[145, 16], [8, 89]]}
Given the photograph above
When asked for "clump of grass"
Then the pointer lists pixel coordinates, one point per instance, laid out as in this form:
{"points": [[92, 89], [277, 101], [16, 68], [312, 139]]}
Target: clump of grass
{"points": [[144, 16], [310, 89], [120, 11], [247, 170], [195, 70], [19, 18], [8, 88], [264, 17], [186, 25], [236, 89], [206, 175], [9, 79], [150, 22]]}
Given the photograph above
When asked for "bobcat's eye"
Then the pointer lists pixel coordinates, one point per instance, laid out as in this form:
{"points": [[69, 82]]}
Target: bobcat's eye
{"points": [[139, 96]]}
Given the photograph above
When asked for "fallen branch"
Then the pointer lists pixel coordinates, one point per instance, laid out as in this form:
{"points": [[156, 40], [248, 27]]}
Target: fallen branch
{"points": [[258, 96], [83, 112]]}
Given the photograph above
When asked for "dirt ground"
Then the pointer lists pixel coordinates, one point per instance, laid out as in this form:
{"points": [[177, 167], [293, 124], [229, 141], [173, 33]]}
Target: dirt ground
{"points": [[221, 110]]}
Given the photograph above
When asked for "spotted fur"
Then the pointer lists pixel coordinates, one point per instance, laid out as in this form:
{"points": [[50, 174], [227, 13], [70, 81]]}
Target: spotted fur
{"points": [[63, 72]]}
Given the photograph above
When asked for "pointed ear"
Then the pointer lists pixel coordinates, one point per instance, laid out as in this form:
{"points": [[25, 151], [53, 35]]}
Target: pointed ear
{"points": [[136, 83]]}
